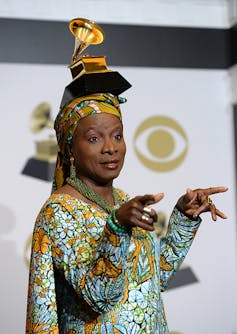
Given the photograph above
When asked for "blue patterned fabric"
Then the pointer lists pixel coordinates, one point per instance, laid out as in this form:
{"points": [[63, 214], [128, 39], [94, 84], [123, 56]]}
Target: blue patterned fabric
{"points": [[85, 279]]}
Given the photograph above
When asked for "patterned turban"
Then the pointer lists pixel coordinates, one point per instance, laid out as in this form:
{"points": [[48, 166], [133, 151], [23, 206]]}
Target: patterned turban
{"points": [[67, 121]]}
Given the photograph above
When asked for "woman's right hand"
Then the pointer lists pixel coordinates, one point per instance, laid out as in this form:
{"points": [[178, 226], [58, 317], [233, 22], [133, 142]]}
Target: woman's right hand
{"points": [[137, 212]]}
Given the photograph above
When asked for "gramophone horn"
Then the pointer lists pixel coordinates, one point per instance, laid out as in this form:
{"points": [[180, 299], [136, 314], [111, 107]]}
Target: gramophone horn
{"points": [[86, 32], [41, 117]]}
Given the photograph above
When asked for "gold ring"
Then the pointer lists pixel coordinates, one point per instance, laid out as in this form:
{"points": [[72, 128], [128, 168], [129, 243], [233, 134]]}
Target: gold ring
{"points": [[209, 200], [144, 217], [147, 209]]}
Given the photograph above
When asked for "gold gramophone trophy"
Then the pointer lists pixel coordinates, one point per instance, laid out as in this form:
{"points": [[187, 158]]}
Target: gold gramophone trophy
{"points": [[86, 32], [42, 164], [90, 73]]}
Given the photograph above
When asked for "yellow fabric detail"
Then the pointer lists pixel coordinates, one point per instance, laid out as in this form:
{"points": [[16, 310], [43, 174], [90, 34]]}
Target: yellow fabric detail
{"points": [[104, 267], [164, 265]]}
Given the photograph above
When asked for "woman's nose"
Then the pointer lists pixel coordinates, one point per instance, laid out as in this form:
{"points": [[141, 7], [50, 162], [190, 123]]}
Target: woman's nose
{"points": [[109, 146]]}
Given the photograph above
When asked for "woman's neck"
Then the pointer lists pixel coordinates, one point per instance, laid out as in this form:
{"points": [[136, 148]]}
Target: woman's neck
{"points": [[103, 189]]}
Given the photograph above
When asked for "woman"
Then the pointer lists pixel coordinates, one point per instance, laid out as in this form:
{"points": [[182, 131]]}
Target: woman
{"points": [[96, 264]]}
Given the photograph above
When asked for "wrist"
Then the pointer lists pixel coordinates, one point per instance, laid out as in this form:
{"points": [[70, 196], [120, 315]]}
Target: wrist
{"points": [[190, 217], [114, 225]]}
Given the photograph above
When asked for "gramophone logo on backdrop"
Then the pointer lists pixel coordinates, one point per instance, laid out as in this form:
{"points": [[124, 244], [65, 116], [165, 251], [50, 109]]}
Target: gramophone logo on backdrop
{"points": [[42, 164], [160, 143]]}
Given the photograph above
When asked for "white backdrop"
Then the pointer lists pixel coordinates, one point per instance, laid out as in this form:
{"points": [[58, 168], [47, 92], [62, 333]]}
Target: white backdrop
{"points": [[199, 101]]}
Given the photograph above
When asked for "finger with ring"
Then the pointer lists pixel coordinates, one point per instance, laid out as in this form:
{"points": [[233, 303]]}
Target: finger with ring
{"points": [[147, 209], [145, 218], [209, 200]]}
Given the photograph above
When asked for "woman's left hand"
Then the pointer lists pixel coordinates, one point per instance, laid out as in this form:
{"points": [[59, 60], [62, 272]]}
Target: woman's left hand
{"points": [[197, 201]]}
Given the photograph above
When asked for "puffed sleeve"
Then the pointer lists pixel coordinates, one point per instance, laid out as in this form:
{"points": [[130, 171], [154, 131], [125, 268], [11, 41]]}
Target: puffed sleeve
{"points": [[92, 259], [175, 245]]}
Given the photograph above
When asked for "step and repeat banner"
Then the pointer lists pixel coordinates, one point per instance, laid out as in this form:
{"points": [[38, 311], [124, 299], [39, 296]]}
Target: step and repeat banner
{"points": [[178, 125]]}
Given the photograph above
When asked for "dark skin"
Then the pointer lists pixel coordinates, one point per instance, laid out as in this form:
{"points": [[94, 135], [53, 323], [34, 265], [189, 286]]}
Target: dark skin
{"points": [[192, 204], [99, 149]]}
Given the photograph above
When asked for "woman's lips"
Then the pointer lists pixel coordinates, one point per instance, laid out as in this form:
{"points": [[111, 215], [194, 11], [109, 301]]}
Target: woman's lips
{"points": [[113, 164]]}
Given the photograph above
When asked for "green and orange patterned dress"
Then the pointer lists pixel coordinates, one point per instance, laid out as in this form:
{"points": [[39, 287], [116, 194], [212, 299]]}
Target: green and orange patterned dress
{"points": [[86, 279]]}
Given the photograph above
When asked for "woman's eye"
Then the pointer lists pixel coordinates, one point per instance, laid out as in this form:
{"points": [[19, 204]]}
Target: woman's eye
{"points": [[93, 139], [118, 137]]}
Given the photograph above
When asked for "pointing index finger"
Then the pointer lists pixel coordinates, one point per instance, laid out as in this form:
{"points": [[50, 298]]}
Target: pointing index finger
{"points": [[214, 190], [151, 199]]}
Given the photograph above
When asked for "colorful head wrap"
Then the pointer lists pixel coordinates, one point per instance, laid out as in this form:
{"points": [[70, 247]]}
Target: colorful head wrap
{"points": [[67, 121]]}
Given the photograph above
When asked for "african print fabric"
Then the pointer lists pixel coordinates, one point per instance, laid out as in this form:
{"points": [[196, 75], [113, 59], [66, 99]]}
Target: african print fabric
{"points": [[85, 279]]}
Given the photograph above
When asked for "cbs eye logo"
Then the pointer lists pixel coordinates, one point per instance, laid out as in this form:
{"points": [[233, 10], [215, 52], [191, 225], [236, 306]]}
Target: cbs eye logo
{"points": [[160, 143]]}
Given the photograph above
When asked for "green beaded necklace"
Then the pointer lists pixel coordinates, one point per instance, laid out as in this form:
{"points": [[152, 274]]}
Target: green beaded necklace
{"points": [[93, 196]]}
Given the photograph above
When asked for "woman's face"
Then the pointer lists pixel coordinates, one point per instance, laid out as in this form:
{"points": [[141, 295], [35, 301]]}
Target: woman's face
{"points": [[98, 148]]}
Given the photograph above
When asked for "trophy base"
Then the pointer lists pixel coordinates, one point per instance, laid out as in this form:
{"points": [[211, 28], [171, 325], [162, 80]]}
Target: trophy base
{"points": [[92, 83], [183, 276], [88, 65], [40, 169]]}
